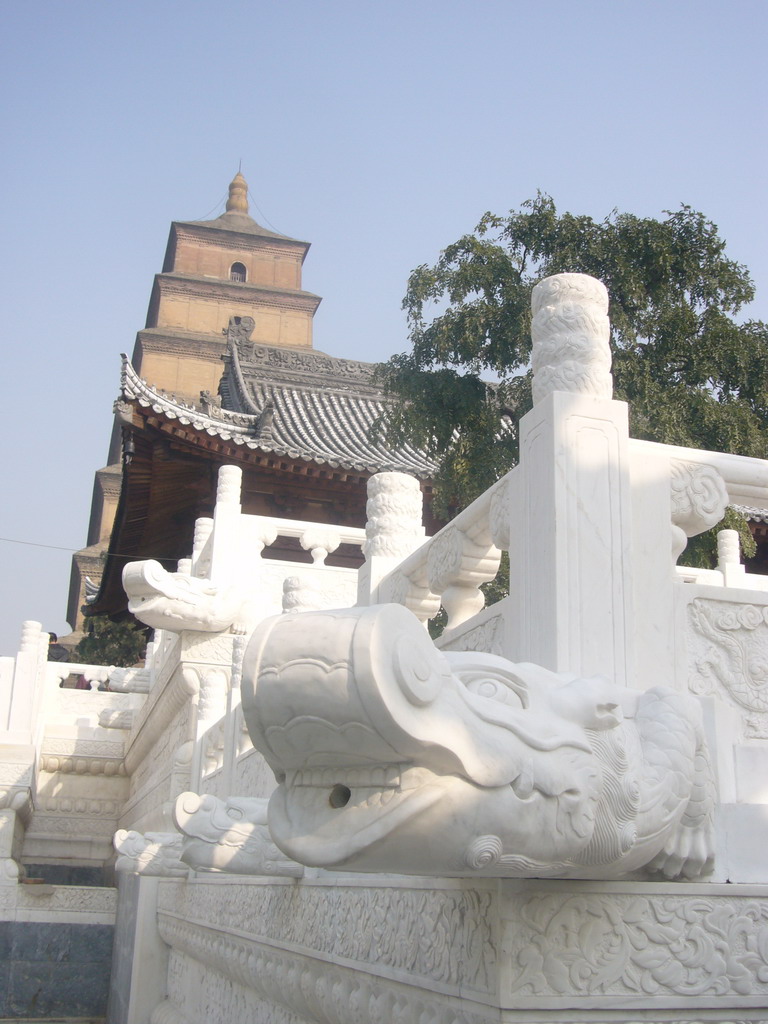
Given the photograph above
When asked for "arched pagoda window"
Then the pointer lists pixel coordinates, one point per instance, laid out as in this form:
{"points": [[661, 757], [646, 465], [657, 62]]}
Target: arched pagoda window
{"points": [[237, 272]]}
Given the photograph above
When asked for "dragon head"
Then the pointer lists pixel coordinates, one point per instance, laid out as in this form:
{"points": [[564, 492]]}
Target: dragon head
{"points": [[390, 753]]}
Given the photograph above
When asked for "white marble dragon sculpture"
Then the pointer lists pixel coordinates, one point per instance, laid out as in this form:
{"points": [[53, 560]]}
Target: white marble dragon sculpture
{"points": [[391, 756], [230, 836], [177, 601]]}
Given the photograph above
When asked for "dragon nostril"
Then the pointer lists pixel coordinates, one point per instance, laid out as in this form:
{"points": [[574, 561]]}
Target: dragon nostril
{"points": [[339, 796]]}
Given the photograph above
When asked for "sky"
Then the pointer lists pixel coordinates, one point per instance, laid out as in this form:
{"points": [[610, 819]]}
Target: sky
{"points": [[379, 132]]}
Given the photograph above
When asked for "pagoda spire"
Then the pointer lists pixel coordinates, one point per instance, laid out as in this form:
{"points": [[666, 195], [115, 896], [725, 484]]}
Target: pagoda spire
{"points": [[238, 195]]}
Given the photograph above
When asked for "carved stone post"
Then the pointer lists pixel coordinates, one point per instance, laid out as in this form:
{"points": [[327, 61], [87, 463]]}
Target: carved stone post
{"points": [[23, 680], [15, 812], [201, 548], [572, 546], [28, 680], [393, 529], [729, 558], [205, 664], [233, 722], [226, 535]]}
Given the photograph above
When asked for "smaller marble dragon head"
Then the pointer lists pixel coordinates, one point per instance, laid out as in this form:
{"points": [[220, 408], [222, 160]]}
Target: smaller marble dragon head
{"points": [[175, 601]]}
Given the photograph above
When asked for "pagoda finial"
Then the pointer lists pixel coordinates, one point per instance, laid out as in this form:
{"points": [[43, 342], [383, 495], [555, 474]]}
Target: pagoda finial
{"points": [[238, 195]]}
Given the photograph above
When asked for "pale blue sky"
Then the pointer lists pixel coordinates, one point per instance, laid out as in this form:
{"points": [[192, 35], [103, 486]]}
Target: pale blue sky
{"points": [[379, 132]]}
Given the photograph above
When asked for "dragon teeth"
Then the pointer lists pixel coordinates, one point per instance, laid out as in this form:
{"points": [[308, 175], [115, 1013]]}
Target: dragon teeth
{"points": [[384, 777]]}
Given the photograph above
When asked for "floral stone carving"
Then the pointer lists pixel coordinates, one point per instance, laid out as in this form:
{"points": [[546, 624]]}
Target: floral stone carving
{"points": [[635, 945], [392, 756]]}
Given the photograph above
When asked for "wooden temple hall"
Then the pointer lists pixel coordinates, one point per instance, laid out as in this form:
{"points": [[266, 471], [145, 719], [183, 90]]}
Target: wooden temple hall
{"points": [[225, 373]]}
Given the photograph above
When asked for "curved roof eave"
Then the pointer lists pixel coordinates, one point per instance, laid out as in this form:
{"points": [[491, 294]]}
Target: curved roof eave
{"points": [[306, 424]]}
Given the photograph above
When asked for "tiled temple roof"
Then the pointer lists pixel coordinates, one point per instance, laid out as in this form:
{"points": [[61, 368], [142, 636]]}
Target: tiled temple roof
{"points": [[753, 515], [238, 222], [302, 404]]}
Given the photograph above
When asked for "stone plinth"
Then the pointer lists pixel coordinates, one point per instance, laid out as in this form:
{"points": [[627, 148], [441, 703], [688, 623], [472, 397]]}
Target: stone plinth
{"points": [[348, 951]]}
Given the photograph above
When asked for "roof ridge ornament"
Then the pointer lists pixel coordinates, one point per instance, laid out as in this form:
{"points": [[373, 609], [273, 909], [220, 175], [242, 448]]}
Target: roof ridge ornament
{"points": [[264, 430], [239, 329], [238, 195]]}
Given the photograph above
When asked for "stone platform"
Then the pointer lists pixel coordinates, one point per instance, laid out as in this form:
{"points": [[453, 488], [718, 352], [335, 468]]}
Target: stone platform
{"points": [[351, 950]]}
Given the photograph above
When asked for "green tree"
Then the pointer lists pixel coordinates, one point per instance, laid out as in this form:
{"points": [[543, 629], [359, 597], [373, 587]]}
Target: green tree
{"points": [[692, 374], [111, 643]]}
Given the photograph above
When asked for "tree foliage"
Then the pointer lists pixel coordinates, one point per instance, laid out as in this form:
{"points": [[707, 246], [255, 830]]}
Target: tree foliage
{"points": [[111, 643], [692, 374]]}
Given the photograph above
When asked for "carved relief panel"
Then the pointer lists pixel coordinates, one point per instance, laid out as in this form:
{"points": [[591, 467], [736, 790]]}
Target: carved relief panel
{"points": [[728, 657]]}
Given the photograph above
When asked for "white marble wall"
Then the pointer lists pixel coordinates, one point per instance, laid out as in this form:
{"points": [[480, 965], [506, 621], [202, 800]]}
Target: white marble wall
{"points": [[346, 951], [594, 523]]}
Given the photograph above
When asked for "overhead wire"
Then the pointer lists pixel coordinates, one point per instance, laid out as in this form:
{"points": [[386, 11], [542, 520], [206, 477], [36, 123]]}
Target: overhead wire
{"points": [[107, 554], [222, 200], [215, 207], [35, 544], [261, 213]]}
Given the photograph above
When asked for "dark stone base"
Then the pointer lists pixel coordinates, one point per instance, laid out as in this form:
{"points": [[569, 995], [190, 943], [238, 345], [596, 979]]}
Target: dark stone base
{"points": [[67, 874], [50, 971]]}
